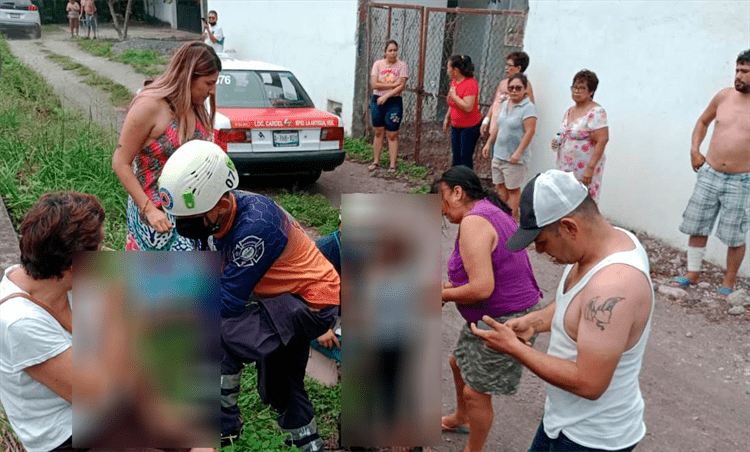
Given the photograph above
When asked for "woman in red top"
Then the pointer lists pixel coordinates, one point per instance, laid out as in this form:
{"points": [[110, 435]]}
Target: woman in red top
{"points": [[463, 115]]}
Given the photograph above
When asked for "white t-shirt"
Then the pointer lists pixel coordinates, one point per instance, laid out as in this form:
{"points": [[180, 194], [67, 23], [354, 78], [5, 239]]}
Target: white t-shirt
{"points": [[29, 335], [219, 35]]}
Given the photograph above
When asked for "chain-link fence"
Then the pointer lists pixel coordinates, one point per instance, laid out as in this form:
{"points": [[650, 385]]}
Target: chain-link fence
{"points": [[427, 38]]}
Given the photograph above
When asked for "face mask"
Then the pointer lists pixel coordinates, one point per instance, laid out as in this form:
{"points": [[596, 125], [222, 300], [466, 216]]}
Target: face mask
{"points": [[213, 24], [195, 228]]}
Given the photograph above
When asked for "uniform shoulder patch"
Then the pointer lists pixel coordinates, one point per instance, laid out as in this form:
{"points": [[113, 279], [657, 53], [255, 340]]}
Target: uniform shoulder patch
{"points": [[248, 251]]}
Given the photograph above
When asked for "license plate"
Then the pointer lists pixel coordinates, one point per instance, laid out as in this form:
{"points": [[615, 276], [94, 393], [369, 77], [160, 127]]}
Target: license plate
{"points": [[281, 139], [15, 16]]}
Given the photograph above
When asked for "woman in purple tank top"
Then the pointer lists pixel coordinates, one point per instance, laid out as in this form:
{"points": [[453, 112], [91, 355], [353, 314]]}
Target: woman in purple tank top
{"points": [[484, 278]]}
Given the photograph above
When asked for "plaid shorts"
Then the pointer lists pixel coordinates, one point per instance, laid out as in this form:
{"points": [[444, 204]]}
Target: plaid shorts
{"points": [[719, 193], [485, 370]]}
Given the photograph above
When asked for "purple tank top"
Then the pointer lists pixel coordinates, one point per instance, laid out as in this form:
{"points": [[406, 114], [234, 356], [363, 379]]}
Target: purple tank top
{"points": [[515, 286]]}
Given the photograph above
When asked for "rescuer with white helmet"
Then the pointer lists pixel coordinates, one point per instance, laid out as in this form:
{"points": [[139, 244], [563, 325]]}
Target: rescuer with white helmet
{"points": [[272, 274]]}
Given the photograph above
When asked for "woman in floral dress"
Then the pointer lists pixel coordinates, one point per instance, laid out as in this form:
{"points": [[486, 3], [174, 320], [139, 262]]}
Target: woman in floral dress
{"points": [[583, 135]]}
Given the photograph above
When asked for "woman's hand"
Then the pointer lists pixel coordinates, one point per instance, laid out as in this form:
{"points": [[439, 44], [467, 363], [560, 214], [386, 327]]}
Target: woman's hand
{"points": [[329, 340], [486, 150], [446, 124], [554, 145], [381, 100], [156, 218], [452, 93], [587, 176], [515, 158]]}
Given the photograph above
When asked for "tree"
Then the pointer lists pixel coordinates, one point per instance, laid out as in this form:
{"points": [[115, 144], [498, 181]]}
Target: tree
{"points": [[122, 30]]}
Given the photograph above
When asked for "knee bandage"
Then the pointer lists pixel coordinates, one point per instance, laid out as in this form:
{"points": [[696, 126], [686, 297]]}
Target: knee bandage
{"points": [[695, 258]]}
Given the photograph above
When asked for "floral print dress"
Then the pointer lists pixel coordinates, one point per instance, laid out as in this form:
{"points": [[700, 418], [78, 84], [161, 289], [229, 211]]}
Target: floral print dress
{"points": [[576, 150]]}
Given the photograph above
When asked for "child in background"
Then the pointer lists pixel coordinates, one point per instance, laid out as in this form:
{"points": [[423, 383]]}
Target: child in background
{"points": [[74, 10]]}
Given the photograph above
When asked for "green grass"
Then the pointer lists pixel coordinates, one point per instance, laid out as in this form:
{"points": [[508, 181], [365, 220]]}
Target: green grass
{"points": [[45, 148], [119, 96], [360, 150], [314, 211], [261, 432], [147, 62], [8, 440]]}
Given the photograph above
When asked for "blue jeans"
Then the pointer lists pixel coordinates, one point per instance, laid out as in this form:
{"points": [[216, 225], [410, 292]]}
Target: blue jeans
{"points": [[543, 443], [464, 141]]}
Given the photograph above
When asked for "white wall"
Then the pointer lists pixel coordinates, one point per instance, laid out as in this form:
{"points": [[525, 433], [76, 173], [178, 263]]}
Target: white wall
{"points": [[163, 10], [316, 40], [659, 63]]}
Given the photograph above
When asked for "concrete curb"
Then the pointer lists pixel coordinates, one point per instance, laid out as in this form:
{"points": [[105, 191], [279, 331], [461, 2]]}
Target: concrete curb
{"points": [[9, 251]]}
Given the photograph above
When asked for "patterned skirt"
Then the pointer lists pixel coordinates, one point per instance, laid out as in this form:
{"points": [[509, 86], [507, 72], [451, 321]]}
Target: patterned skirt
{"points": [[142, 237], [485, 370]]}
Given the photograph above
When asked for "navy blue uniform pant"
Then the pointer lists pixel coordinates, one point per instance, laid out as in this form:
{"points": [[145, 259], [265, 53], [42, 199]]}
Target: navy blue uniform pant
{"points": [[275, 334]]}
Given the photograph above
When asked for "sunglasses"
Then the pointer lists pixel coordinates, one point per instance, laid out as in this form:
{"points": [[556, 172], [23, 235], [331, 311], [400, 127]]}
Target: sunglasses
{"points": [[512, 88]]}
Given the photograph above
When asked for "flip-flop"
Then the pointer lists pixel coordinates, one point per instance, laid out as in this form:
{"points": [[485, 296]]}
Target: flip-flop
{"points": [[461, 429], [372, 167], [724, 290], [391, 170], [683, 281]]}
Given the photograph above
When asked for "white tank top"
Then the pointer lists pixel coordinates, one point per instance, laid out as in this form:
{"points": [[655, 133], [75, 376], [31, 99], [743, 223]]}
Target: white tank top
{"points": [[615, 420]]}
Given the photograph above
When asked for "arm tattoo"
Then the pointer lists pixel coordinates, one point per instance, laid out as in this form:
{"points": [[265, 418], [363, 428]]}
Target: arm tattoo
{"points": [[600, 314]]}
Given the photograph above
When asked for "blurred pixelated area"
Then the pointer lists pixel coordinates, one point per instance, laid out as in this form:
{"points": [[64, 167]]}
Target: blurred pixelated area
{"points": [[146, 349], [391, 317]]}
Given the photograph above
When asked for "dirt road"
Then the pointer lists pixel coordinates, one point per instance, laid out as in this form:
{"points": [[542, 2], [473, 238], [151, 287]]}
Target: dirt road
{"points": [[696, 376]]}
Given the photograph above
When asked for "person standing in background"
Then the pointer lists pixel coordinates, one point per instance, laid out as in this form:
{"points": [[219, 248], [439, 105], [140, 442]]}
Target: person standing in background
{"points": [[213, 35], [463, 116]]}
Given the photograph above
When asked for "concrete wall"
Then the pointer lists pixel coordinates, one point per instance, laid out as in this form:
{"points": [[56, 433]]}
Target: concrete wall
{"points": [[316, 40], [163, 10], [659, 63]]}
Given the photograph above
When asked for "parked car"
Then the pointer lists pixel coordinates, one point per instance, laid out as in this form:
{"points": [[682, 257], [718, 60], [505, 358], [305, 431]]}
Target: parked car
{"points": [[270, 125], [20, 16]]}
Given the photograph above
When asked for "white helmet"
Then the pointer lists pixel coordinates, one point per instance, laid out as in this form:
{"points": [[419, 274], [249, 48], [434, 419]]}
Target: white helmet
{"points": [[195, 177]]}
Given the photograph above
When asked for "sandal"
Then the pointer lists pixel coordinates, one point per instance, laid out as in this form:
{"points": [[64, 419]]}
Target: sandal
{"points": [[682, 281], [461, 429], [724, 291], [391, 170], [373, 166]]}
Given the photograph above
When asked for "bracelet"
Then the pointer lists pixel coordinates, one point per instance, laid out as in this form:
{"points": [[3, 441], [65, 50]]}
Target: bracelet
{"points": [[145, 204], [486, 121]]}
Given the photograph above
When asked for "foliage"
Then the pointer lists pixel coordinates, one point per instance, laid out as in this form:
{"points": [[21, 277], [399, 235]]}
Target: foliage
{"points": [[147, 62], [311, 210], [53, 12], [360, 150], [119, 95], [45, 148]]}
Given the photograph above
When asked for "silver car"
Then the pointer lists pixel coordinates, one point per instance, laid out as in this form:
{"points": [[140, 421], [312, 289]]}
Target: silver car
{"points": [[20, 16]]}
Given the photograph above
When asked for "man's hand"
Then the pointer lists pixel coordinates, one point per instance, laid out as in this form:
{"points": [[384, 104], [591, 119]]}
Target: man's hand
{"points": [[697, 160], [524, 327], [502, 338], [329, 340]]}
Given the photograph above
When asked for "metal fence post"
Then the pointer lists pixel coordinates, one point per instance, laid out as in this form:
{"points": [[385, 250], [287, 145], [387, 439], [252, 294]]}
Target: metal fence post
{"points": [[420, 83]]}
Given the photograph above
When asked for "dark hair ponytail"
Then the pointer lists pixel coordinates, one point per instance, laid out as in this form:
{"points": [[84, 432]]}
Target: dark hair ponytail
{"points": [[467, 179]]}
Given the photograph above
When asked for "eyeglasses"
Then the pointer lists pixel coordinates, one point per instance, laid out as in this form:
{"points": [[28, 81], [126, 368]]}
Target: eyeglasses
{"points": [[512, 88], [579, 88]]}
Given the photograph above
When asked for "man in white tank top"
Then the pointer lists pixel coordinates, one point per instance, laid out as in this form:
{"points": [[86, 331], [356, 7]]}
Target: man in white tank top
{"points": [[599, 321]]}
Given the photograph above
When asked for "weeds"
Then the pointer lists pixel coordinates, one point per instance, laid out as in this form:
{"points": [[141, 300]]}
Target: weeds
{"points": [[361, 150], [45, 148], [119, 95], [312, 210], [147, 62]]}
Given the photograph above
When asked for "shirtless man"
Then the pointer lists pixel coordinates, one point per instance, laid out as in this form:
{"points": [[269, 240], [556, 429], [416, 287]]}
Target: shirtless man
{"points": [[723, 185], [515, 62], [600, 320], [89, 17]]}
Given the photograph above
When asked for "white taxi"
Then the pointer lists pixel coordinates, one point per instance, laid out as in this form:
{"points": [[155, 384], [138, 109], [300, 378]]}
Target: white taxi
{"points": [[270, 125]]}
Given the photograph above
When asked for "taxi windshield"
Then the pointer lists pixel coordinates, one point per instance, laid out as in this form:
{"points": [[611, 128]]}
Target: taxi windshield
{"points": [[260, 89]]}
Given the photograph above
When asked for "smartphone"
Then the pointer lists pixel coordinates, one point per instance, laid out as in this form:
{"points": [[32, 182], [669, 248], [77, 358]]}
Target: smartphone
{"points": [[483, 326], [204, 20]]}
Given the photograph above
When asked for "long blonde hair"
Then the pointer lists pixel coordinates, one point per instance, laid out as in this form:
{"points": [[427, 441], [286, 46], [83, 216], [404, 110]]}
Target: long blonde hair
{"points": [[192, 60]]}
